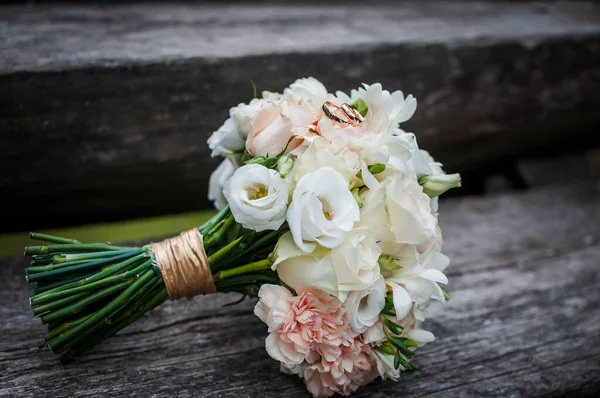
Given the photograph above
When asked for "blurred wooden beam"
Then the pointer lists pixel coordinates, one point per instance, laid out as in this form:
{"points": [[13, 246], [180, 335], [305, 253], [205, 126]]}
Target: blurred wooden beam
{"points": [[105, 111]]}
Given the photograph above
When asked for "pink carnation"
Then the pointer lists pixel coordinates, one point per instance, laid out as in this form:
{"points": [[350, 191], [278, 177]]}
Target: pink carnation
{"points": [[305, 327], [355, 367]]}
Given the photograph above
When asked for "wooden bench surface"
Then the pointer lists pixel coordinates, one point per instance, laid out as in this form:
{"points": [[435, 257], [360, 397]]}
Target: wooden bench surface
{"points": [[524, 320]]}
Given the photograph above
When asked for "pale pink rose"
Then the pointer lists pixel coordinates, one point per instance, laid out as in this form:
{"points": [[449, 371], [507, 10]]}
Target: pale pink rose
{"points": [[305, 327], [355, 367], [275, 124], [270, 132]]}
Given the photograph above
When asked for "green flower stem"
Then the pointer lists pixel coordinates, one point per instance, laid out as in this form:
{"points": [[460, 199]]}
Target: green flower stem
{"points": [[73, 247], [81, 331], [244, 269], [107, 271], [86, 287], [52, 333], [205, 228], [40, 309], [51, 266], [51, 238], [158, 299], [63, 258], [213, 238], [82, 304], [88, 266], [214, 258]]}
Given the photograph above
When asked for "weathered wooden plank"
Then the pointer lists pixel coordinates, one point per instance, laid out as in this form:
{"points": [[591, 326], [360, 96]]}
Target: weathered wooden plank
{"points": [[105, 111], [523, 320]]}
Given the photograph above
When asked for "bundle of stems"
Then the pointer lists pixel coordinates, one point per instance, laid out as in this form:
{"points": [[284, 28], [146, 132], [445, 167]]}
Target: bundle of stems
{"points": [[86, 293]]}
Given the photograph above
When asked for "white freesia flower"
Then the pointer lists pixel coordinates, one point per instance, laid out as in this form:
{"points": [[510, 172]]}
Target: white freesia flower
{"points": [[421, 162], [385, 366], [385, 109], [418, 284], [323, 210], [301, 270], [355, 264], [231, 136], [258, 197], [308, 89], [365, 305], [217, 181], [420, 336]]}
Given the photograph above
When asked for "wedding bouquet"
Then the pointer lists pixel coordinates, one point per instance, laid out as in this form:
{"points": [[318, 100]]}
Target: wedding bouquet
{"points": [[327, 213]]}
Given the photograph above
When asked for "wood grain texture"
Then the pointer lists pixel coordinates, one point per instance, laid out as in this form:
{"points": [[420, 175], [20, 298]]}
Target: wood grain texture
{"points": [[105, 111], [523, 321]]}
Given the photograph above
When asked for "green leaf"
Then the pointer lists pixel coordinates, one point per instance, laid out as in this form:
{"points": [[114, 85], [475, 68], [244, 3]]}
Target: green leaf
{"points": [[361, 107]]}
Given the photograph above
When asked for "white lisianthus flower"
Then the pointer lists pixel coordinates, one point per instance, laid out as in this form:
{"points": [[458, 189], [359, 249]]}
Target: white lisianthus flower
{"points": [[258, 197], [364, 306], [308, 89], [302, 270], [230, 138], [217, 181], [323, 210], [355, 264], [385, 109]]}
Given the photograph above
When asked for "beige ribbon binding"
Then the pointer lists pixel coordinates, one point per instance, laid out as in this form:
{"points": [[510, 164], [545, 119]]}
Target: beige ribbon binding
{"points": [[184, 266]]}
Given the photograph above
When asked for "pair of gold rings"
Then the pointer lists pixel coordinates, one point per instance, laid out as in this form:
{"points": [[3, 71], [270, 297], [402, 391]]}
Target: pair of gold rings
{"points": [[343, 115]]}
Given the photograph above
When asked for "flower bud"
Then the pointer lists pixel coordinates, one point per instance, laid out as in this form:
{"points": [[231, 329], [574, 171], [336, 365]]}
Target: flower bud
{"points": [[436, 184], [285, 164]]}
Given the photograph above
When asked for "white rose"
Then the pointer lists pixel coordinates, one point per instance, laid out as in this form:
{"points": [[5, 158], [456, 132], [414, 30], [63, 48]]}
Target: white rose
{"points": [[309, 89], [231, 136], [355, 264], [323, 210], [304, 270], [217, 180], [364, 306], [257, 197]]}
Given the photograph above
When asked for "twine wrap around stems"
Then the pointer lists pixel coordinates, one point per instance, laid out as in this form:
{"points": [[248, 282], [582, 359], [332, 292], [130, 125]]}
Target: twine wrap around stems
{"points": [[184, 266]]}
